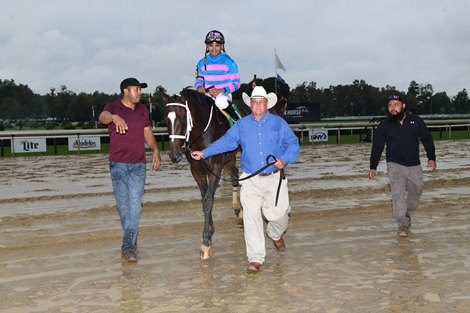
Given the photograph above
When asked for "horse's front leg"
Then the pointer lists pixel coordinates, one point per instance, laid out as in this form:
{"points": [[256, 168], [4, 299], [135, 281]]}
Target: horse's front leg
{"points": [[207, 204], [207, 201]]}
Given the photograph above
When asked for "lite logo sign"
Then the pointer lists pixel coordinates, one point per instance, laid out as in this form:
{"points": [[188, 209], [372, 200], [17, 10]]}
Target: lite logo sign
{"points": [[28, 145]]}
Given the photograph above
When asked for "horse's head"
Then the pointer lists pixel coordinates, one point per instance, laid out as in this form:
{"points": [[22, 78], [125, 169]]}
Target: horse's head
{"points": [[188, 117], [177, 123]]}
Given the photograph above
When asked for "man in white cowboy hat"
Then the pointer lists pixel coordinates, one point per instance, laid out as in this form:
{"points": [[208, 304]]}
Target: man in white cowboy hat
{"points": [[260, 135]]}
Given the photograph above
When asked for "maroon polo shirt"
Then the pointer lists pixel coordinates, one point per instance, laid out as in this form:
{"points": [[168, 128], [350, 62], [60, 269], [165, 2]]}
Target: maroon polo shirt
{"points": [[128, 147]]}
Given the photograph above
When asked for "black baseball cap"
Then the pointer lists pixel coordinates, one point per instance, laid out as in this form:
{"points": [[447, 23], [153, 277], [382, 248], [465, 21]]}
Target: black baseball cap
{"points": [[396, 96], [131, 81]]}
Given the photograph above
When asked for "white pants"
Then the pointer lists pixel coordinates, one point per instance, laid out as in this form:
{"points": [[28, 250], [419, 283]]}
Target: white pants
{"points": [[258, 197], [221, 101]]}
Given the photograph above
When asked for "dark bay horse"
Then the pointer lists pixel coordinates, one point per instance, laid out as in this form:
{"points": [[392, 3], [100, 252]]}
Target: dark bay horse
{"points": [[194, 122]]}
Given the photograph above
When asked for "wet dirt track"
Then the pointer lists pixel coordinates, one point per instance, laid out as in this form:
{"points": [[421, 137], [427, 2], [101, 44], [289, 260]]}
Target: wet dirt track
{"points": [[60, 238]]}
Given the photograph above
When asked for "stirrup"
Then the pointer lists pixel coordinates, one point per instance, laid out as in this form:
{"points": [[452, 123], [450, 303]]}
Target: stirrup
{"points": [[228, 117], [233, 112]]}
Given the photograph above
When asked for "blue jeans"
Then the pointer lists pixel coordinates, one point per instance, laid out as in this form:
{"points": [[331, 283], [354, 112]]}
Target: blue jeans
{"points": [[128, 184]]}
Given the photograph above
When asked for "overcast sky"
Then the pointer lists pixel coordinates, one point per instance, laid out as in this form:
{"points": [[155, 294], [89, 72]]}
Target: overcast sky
{"points": [[90, 45]]}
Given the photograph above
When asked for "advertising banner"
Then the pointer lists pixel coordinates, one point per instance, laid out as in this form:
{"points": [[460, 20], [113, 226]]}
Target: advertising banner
{"points": [[29, 144], [84, 143], [302, 112], [318, 135]]}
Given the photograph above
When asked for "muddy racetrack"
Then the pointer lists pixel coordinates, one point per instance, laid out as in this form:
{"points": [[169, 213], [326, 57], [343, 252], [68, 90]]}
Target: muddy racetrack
{"points": [[60, 241]]}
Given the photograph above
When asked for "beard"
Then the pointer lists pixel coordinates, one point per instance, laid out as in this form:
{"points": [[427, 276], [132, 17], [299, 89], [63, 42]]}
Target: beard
{"points": [[397, 117]]}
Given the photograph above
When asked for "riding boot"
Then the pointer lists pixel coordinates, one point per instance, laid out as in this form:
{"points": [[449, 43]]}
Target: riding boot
{"points": [[232, 112]]}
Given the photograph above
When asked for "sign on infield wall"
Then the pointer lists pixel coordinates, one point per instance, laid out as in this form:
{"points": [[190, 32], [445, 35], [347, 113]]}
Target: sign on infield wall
{"points": [[84, 143], [29, 144], [318, 135]]}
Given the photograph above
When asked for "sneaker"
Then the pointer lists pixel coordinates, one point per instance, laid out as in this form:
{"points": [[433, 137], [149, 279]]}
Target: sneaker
{"points": [[403, 231], [129, 256]]}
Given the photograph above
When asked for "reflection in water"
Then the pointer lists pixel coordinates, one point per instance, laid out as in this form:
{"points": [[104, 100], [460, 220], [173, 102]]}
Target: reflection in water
{"points": [[407, 277], [406, 258], [278, 265], [208, 283], [276, 284], [131, 289]]}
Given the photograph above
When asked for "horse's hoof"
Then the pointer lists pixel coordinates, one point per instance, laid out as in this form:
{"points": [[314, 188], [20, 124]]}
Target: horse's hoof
{"points": [[240, 223], [206, 252]]}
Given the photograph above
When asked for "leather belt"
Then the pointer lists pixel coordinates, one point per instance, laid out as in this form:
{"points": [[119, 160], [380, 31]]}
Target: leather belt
{"points": [[269, 174]]}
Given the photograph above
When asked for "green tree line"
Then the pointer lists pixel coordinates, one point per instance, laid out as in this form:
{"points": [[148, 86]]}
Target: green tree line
{"points": [[18, 103]]}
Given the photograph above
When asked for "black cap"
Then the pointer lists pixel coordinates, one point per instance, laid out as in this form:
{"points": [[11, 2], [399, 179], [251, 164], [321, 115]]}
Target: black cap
{"points": [[214, 36], [396, 96], [131, 81]]}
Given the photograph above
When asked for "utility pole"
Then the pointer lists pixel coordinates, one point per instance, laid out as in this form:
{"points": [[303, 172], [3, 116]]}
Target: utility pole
{"points": [[95, 124], [150, 110]]}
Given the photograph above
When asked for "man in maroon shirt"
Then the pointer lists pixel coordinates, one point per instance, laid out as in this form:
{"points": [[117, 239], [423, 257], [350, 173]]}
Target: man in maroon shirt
{"points": [[129, 126]]}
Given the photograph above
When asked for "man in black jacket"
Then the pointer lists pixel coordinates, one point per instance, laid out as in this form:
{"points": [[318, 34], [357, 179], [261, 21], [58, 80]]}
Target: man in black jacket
{"points": [[402, 133]]}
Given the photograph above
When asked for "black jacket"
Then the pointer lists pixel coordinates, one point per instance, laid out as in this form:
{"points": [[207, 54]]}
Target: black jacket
{"points": [[402, 141]]}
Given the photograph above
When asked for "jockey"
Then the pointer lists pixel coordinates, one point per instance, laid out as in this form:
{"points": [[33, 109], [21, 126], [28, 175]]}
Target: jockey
{"points": [[217, 73]]}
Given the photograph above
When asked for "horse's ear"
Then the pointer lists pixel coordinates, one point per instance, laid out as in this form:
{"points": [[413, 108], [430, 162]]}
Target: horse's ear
{"points": [[189, 92], [166, 98], [280, 107]]}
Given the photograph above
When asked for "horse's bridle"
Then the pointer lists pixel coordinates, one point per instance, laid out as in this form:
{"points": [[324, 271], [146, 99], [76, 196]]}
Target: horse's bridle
{"points": [[189, 123], [172, 118]]}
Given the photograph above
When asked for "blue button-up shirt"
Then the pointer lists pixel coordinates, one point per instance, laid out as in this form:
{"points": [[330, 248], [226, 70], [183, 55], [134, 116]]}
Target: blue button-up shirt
{"points": [[271, 135]]}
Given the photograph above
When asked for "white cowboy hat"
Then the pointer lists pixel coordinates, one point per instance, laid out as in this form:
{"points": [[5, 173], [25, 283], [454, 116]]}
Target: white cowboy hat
{"points": [[260, 92]]}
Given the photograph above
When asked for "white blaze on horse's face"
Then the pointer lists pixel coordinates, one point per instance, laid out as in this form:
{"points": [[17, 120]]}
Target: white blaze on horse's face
{"points": [[172, 118]]}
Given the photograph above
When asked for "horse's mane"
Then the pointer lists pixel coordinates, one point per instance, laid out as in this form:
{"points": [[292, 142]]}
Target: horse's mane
{"points": [[189, 93]]}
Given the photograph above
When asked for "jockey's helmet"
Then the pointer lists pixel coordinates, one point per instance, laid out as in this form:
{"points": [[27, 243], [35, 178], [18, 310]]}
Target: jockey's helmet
{"points": [[214, 36]]}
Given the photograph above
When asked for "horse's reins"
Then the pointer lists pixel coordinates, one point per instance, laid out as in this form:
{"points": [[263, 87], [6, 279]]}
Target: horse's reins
{"points": [[268, 164], [187, 145]]}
